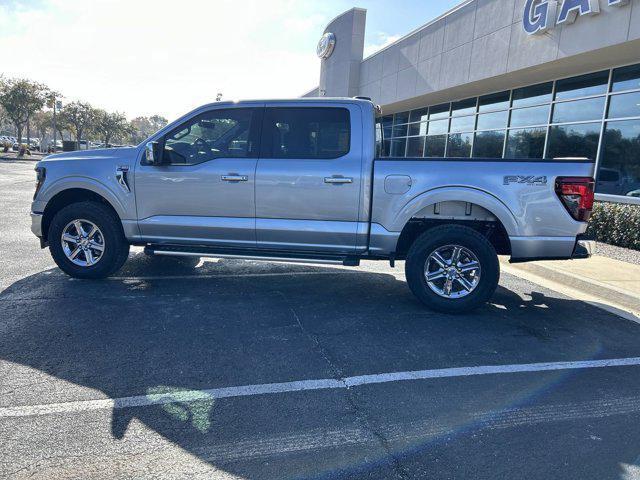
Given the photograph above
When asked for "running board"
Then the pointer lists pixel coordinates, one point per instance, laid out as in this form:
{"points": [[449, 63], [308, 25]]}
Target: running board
{"points": [[264, 256]]}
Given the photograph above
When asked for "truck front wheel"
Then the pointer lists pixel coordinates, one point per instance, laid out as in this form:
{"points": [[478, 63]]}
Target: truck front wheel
{"points": [[86, 240], [452, 269]]}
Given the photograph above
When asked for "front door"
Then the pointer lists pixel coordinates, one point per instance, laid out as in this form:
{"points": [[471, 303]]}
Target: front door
{"points": [[204, 191], [308, 179]]}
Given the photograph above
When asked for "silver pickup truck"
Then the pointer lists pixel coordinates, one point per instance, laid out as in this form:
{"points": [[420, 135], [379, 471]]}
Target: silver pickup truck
{"points": [[298, 180]]}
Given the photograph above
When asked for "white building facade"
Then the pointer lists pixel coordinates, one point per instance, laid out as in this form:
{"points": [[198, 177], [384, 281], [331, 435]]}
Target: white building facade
{"points": [[504, 79]]}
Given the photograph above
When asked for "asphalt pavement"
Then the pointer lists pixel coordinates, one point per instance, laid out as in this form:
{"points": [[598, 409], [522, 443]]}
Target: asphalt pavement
{"points": [[244, 370]]}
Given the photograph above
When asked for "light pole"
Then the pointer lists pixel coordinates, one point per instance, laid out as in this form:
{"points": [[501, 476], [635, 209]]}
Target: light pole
{"points": [[57, 104]]}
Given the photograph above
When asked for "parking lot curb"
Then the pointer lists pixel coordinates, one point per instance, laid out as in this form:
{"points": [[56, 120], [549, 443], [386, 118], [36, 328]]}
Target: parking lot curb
{"points": [[614, 300]]}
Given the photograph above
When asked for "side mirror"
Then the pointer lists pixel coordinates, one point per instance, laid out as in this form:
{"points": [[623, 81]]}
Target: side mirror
{"points": [[153, 154]]}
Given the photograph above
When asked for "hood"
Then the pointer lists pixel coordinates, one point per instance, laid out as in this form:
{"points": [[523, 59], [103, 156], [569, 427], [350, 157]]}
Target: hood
{"points": [[93, 155]]}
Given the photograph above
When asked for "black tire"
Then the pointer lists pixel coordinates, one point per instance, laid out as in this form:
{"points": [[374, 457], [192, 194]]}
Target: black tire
{"points": [[446, 235], [116, 247]]}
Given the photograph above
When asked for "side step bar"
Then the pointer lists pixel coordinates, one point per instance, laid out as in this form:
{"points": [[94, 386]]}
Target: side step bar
{"points": [[272, 256]]}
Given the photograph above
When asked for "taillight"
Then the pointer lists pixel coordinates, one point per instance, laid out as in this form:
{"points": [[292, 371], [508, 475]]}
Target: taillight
{"points": [[40, 176], [576, 194]]}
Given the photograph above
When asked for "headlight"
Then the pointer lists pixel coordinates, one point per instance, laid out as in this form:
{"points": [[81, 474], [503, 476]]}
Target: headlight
{"points": [[40, 176]]}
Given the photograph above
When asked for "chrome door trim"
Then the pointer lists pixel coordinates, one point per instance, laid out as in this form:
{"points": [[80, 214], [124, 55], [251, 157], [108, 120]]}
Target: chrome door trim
{"points": [[338, 180], [234, 178]]}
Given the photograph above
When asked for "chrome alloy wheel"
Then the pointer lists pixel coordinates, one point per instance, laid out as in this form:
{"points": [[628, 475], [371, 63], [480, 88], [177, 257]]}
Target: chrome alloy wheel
{"points": [[82, 242], [452, 271]]}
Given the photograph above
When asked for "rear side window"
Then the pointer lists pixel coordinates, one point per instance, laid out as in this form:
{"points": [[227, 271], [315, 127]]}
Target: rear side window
{"points": [[301, 133]]}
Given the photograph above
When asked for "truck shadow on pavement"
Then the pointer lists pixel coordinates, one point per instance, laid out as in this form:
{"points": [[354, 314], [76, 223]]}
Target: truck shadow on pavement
{"points": [[163, 328]]}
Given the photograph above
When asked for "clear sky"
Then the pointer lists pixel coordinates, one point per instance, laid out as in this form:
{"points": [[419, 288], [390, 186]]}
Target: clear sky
{"points": [[143, 57]]}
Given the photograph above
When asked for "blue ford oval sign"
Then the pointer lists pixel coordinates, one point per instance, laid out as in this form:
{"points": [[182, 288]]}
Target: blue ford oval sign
{"points": [[541, 15]]}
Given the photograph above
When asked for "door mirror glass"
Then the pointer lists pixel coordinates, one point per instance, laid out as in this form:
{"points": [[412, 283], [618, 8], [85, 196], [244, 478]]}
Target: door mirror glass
{"points": [[153, 154]]}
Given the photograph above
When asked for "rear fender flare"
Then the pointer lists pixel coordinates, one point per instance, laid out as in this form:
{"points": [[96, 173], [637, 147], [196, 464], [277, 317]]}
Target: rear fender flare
{"points": [[459, 194]]}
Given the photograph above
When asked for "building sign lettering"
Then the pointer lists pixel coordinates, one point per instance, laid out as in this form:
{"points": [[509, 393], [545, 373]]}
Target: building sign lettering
{"points": [[542, 15]]}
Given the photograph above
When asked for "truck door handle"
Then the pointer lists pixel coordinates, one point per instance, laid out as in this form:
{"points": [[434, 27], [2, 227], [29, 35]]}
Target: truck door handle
{"points": [[338, 180], [234, 178]]}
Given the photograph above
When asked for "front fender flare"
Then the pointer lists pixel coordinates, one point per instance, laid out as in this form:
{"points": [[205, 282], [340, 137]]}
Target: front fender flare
{"points": [[459, 194], [84, 183]]}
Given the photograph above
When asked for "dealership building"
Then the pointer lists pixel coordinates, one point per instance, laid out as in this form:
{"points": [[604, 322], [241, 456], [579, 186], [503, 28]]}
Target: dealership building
{"points": [[503, 79]]}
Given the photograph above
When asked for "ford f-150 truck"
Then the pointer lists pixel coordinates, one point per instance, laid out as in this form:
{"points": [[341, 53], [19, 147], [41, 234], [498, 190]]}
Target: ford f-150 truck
{"points": [[298, 180]]}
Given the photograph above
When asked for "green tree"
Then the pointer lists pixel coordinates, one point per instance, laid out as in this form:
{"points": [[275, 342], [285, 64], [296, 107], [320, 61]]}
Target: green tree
{"points": [[110, 126], [144, 127], [42, 121], [77, 117], [21, 99]]}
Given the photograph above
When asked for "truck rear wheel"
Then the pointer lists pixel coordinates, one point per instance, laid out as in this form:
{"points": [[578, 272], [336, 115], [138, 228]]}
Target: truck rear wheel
{"points": [[86, 241], [452, 269]]}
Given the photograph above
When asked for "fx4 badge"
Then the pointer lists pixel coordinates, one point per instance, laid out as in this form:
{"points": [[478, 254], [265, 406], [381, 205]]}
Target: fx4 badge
{"points": [[525, 179]]}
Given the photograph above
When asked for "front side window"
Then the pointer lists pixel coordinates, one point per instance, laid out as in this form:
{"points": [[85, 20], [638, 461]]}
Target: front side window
{"points": [[214, 134], [307, 132]]}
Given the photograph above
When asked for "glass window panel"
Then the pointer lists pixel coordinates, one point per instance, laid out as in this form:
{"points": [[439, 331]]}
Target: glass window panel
{"points": [[464, 107], [402, 117], [226, 134], [415, 147], [398, 147], [626, 78], [489, 144], [387, 121], [489, 121], [463, 124], [438, 127], [626, 105], [589, 109], [419, 115], [533, 95], [386, 148], [417, 129], [493, 102], [526, 142], [523, 117], [439, 111], [619, 172], [387, 131], [459, 145], [435, 145], [400, 131], [306, 132], [574, 140], [378, 132], [582, 86]]}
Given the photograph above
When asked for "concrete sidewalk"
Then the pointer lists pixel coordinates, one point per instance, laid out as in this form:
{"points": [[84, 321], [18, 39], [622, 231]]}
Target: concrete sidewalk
{"points": [[602, 281]]}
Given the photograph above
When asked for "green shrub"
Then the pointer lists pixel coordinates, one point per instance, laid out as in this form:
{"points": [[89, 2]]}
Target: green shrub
{"points": [[616, 224]]}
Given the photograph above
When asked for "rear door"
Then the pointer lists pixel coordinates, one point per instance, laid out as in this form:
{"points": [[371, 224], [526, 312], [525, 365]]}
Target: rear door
{"points": [[308, 178]]}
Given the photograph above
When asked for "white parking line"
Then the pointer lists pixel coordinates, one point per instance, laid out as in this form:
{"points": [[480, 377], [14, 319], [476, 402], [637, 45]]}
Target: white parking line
{"points": [[187, 396]]}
